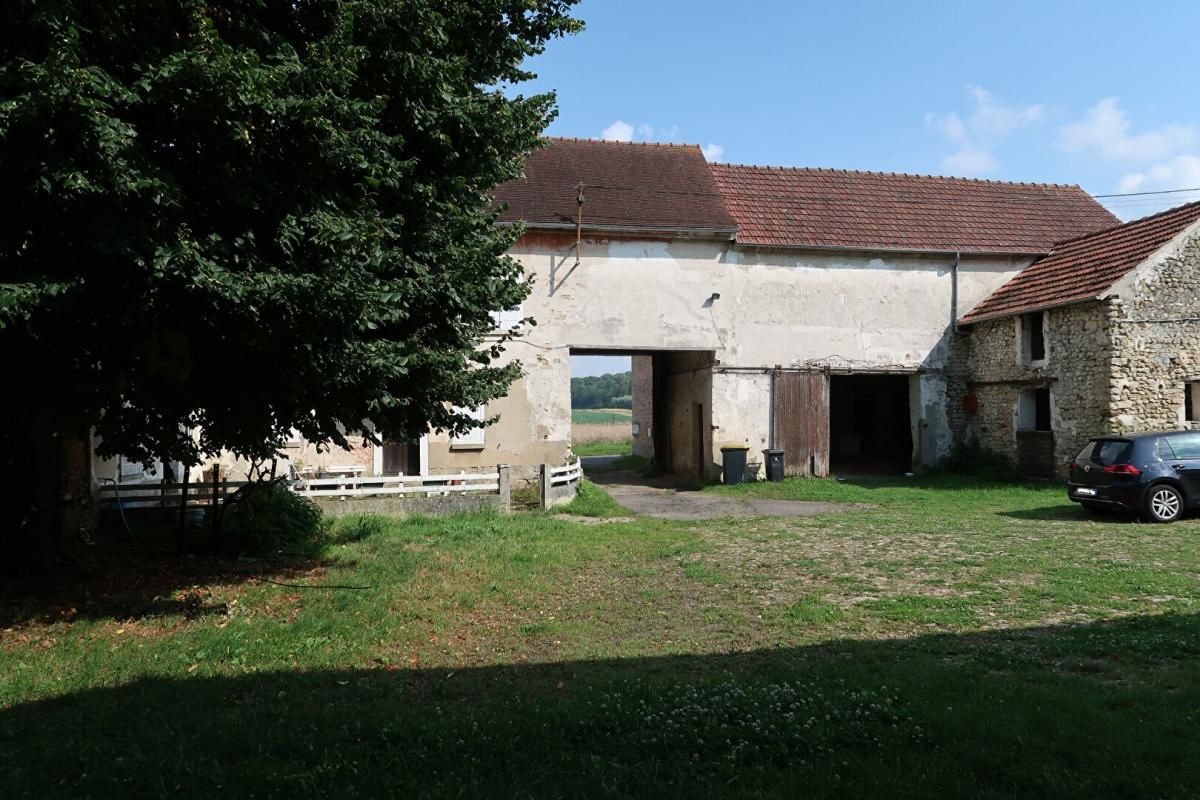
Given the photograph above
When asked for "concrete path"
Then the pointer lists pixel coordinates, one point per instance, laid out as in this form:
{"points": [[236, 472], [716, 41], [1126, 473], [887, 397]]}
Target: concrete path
{"points": [[661, 500]]}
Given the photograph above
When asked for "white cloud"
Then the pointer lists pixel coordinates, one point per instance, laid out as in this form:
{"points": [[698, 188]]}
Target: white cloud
{"points": [[970, 161], [1180, 172], [988, 123], [1104, 130], [619, 131], [622, 131]]}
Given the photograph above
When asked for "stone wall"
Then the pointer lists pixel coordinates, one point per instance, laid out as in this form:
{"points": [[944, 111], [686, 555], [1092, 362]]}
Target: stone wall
{"points": [[1156, 341], [643, 406], [1076, 370], [1113, 366]]}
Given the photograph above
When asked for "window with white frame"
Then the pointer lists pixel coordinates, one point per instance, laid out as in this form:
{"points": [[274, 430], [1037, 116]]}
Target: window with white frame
{"points": [[1032, 336], [472, 439], [508, 318]]}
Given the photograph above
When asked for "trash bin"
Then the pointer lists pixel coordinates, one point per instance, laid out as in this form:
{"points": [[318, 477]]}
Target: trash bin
{"points": [[773, 458], [733, 463]]}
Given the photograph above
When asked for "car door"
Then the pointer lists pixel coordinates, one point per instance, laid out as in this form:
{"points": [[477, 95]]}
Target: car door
{"points": [[1186, 462]]}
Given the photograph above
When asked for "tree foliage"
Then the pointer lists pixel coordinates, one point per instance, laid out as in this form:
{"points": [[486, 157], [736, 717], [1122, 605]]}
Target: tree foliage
{"points": [[224, 219], [611, 390]]}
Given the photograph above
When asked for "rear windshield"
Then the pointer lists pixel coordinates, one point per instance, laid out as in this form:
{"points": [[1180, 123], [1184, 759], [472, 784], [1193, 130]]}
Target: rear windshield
{"points": [[1106, 451]]}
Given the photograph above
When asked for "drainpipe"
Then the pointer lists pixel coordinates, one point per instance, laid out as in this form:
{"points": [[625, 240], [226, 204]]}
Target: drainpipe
{"points": [[954, 294]]}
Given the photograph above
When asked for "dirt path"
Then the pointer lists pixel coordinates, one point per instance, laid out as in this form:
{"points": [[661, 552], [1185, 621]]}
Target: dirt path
{"points": [[664, 501]]}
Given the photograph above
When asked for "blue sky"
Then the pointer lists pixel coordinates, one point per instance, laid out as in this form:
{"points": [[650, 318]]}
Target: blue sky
{"points": [[1100, 94]]}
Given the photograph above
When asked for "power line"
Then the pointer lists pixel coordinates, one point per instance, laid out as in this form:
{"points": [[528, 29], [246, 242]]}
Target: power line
{"points": [[1139, 194]]}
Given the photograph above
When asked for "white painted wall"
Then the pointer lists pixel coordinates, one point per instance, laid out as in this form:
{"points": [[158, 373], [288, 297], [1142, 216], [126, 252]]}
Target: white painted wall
{"points": [[856, 310]]}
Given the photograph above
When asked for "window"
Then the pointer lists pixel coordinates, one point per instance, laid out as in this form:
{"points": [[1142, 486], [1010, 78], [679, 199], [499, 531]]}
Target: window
{"points": [[1186, 446], [1105, 451], [508, 318], [1191, 401], [1032, 329], [472, 439], [1033, 410]]}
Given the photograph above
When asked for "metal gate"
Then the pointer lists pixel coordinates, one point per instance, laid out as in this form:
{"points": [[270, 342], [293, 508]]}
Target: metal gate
{"points": [[801, 421]]}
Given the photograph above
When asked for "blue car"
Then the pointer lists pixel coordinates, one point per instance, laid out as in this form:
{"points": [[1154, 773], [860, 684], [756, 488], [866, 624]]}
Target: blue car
{"points": [[1156, 475]]}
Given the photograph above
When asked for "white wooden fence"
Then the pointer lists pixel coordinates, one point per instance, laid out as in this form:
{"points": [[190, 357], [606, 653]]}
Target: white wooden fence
{"points": [[571, 473], [151, 494], [462, 483]]}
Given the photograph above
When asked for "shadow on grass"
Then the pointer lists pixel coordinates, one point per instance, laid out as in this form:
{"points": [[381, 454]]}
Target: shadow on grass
{"points": [[1099, 710], [132, 580]]}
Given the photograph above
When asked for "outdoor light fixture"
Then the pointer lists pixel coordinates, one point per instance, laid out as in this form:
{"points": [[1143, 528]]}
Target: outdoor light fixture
{"points": [[714, 296]]}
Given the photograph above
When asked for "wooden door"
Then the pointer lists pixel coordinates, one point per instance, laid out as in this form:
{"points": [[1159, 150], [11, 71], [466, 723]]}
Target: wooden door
{"points": [[401, 458], [801, 420]]}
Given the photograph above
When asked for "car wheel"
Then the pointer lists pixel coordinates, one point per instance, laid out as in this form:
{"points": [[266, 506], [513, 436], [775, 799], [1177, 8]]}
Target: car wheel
{"points": [[1163, 503], [1096, 508]]}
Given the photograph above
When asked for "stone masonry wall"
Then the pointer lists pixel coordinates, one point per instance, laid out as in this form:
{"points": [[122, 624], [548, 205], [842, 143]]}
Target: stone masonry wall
{"points": [[1156, 339], [1076, 369]]}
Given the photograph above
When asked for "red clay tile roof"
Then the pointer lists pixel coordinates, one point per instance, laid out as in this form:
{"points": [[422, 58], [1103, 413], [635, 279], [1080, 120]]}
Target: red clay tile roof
{"points": [[778, 207], [638, 186], [1085, 268]]}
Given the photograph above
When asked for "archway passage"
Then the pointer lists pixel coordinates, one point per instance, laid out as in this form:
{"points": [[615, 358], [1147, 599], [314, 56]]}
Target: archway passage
{"points": [[870, 424], [671, 407]]}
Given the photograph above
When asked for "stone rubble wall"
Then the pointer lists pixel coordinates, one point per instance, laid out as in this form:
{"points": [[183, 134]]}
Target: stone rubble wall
{"points": [[1113, 366], [1076, 369], [1156, 339]]}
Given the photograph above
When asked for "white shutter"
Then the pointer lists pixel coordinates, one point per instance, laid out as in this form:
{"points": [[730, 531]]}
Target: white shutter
{"points": [[472, 439], [508, 318]]}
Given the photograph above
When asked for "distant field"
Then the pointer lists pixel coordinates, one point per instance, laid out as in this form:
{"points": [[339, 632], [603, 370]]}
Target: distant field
{"points": [[600, 416]]}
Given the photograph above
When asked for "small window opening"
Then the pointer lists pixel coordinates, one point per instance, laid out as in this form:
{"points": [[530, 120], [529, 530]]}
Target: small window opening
{"points": [[1033, 337], [1191, 401]]}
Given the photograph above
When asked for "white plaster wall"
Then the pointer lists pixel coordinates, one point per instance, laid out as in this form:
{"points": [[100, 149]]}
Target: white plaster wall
{"points": [[786, 308]]}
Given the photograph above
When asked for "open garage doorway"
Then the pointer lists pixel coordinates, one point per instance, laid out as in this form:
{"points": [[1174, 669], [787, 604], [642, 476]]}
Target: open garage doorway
{"points": [[870, 425], [668, 407]]}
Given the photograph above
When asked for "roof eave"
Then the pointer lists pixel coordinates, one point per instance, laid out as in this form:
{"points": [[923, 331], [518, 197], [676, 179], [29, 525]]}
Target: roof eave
{"points": [[690, 232], [966, 323], [898, 250]]}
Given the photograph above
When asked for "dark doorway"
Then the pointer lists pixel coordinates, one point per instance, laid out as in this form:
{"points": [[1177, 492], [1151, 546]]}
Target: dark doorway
{"points": [[401, 458], [870, 424]]}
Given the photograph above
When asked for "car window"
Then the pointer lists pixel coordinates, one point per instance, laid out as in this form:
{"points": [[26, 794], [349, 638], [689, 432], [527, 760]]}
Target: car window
{"points": [[1106, 451], [1186, 445], [1164, 448]]}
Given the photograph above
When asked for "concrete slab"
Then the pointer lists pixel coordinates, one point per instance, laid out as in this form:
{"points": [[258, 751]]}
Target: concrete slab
{"points": [[666, 502]]}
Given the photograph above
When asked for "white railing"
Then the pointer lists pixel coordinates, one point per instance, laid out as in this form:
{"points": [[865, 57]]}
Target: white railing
{"points": [[147, 494], [561, 476], [462, 483]]}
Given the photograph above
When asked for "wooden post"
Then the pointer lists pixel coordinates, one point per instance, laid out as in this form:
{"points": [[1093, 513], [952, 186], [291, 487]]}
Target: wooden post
{"points": [[162, 484], [216, 497], [545, 486], [183, 489]]}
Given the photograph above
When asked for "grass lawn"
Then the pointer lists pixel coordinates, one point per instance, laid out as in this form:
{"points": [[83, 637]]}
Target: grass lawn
{"points": [[612, 447], [600, 416], [945, 639]]}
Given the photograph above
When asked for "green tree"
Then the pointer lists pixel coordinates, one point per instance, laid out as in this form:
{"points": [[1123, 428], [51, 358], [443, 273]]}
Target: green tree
{"points": [[224, 219]]}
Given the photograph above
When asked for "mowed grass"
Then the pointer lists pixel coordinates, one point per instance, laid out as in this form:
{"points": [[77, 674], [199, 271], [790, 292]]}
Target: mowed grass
{"points": [[943, 639], [611, 447], [600, 416]]}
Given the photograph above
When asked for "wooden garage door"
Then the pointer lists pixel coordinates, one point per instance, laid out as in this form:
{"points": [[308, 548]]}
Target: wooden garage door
{"points": [[802, 422]]}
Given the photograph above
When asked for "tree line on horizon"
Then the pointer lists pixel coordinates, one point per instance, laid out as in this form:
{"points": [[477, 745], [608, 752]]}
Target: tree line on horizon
{"points": [[611, 390]]}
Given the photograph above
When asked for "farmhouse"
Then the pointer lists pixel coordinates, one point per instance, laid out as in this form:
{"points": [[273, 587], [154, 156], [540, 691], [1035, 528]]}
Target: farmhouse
{"points": [[808, 309], [1100, 336], [813, 310]]}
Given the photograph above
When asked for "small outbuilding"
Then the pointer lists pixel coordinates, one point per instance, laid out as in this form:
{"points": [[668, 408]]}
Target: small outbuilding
{"points": [[1100, 336]]}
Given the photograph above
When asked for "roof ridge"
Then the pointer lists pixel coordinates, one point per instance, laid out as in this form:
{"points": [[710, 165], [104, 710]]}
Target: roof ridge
{"points": [[588, 140], [1126, 224], [837, 171]]}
